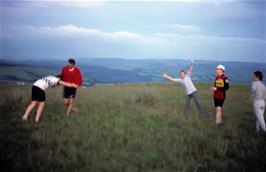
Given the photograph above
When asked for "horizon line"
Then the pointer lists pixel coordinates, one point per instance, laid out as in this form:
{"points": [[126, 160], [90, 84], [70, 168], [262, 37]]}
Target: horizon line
{"points": [[34, 58]]}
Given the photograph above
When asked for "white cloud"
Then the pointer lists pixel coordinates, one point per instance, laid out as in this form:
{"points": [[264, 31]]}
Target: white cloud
{"points": [[211, 38], [64, 3], [102, 1], [156, 45], [75, 32], [186, 28], [72, 31], [225, 48]]}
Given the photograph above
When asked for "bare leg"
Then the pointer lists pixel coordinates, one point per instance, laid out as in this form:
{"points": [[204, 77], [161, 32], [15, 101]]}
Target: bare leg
{"points": [[66, 102], [28, 110], [218, 115], [39, 111], [70, 106]]}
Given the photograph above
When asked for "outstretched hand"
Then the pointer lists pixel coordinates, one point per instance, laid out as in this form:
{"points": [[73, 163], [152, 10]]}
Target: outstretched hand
{"points": [[213, 89], [191, 61], [164, 75]]}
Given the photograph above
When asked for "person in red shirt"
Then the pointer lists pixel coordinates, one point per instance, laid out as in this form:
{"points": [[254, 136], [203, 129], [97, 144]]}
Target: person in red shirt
{"points": [[72, 74], [221, 85]]}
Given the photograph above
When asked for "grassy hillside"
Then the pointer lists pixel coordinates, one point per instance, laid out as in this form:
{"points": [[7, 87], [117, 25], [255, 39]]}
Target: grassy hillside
{"points": [[23, 73], [130, 128]]}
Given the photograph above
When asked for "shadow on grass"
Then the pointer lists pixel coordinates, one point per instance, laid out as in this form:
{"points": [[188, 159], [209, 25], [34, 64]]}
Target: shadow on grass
{"points": [[18, 149], [249, 148]]}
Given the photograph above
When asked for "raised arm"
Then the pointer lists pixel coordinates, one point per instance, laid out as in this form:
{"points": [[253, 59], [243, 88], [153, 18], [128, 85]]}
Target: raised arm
{"points": [[169, 77], [191, 66]]}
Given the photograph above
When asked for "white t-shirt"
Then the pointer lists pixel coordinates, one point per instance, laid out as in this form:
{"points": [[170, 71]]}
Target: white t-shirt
{"points": [[258, 90], [47, 81], [187, 83]]}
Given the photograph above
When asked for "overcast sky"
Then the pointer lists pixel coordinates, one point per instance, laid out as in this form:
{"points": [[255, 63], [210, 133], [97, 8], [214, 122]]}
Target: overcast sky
{"points": [[231, 30]]}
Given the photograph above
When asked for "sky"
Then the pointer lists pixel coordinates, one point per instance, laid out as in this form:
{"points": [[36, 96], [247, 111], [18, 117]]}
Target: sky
{"points": [[224, 30]]}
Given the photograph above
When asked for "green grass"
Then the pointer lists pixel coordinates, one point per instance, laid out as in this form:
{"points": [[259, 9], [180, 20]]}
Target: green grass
{"points": [[130, 128]]}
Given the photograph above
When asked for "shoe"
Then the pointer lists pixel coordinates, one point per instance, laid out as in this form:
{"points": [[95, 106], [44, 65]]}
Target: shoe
{"points": [[75, 110], [37, 120], [219, 125]]}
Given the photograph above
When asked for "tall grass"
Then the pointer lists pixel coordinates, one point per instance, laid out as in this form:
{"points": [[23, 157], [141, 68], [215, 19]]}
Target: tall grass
{"points": [[130, 128]]}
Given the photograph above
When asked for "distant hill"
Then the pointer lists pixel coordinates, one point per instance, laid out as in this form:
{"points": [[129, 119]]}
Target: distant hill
{"points": [[104, 70], [19, 72]]}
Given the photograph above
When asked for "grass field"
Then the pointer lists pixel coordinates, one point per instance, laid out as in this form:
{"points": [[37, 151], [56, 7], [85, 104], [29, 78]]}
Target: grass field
{"points": [[128, 128]]}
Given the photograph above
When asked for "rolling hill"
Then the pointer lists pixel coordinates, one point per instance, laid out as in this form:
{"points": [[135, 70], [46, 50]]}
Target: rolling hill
{"points": [[111, 71]]}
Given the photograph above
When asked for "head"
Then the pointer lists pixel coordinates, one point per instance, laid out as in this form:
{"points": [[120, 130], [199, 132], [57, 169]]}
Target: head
{"points": [[59, 76], [220, 70], [182, 74], [71, 63], [258, 76]]}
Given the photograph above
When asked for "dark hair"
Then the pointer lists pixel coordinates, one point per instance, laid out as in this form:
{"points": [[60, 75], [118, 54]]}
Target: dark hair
{"points": [[59, 76], [258, 74], [72, 61], [183, 71]]}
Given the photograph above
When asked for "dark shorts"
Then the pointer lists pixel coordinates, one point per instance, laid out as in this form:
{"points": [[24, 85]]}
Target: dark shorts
{"points": [[218, 102], [69, 92], [37, 94]]}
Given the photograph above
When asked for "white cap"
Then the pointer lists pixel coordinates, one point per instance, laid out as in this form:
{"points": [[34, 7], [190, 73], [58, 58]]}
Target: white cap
{"points": [[221, 67]]}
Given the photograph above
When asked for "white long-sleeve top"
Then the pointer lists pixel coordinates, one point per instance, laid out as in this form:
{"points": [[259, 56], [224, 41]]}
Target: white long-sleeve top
{"points": [[187, 83], [258, 90]]}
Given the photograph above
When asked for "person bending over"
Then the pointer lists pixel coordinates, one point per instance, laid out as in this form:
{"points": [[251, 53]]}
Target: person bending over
{"points": [[38, 94]]}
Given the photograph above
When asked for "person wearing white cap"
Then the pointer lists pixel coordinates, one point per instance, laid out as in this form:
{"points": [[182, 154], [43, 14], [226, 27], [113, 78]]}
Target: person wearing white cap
{"points": [[191, 91], [258, 95], [221, 85]]}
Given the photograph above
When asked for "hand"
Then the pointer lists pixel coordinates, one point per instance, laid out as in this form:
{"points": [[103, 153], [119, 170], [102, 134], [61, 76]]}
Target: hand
{"points": [[191, 61], [213, 89], [74, 85], [164, 75]]}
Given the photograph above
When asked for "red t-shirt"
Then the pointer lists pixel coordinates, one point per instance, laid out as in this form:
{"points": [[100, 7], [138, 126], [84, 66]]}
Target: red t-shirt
{"points": [[222, 84], [73, 76]]}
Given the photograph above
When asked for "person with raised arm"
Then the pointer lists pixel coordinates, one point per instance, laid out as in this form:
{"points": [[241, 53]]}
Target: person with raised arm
{"points": [[191, 91]]}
